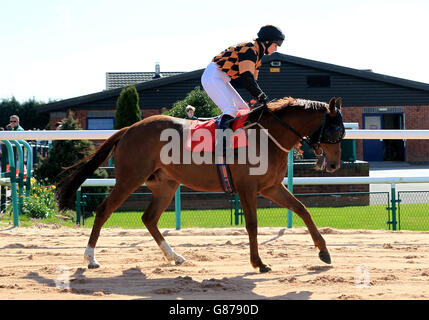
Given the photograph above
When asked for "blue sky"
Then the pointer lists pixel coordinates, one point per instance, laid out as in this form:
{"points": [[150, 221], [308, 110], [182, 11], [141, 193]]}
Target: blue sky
{"points": [[58, 49]]}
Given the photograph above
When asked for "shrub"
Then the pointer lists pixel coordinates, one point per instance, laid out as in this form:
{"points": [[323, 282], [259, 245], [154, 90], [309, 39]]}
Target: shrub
{"points": [[40, 204], [204, 106], [127, 108]]}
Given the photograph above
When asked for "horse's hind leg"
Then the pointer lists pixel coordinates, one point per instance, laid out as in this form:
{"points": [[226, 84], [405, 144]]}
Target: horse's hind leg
{"points": [[283, 197], [162, 193], [116, 197]]}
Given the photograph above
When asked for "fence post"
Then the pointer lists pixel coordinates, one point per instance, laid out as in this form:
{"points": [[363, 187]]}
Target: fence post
{"points": [[20, 163], [236, 208], [3, 172], [12, 176], [78, 206], [29, 166], [393, 197], [177, 208], [290, 184]]}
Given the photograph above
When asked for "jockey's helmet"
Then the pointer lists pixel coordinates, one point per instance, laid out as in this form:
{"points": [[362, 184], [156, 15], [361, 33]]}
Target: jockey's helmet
{"points": [[271, 33]]}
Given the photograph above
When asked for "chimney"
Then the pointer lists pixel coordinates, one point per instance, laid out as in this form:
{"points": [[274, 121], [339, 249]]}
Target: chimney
{"points": [[157, 74]]}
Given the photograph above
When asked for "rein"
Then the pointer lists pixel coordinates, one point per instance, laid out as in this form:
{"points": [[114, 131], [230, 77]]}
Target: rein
{"points": [[285, 125], [305, 139]]}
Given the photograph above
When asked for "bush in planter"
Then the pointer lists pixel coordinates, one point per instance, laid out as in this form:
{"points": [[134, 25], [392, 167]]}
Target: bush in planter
{"points": [[40, 204]]}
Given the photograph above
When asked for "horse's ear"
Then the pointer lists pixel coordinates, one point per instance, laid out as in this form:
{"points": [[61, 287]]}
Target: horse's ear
{"points": [[332, 110], [338, 103]]}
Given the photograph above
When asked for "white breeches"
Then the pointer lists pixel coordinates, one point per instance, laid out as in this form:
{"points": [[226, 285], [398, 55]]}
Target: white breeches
{"points": [[217, 85]]}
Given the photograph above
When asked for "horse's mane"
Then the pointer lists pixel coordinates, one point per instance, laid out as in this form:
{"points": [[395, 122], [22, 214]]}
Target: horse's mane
{"points": [[288, 102]]}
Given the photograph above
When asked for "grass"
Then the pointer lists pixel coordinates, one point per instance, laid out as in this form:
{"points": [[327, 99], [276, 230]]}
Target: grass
{"points": [[25, 221], [413, 217], [355, 217]]}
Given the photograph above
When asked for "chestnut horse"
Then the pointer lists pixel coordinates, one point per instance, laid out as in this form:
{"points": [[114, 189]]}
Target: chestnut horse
{"points": [[136, 150]]}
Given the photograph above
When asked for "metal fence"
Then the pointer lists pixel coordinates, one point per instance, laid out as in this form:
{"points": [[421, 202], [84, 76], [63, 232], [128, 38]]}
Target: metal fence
{"points": [[222, 210], [413, 210]]}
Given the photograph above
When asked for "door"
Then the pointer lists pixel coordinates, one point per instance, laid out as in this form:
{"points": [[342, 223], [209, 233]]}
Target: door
{"points": [[394, 150], [373, 149]]}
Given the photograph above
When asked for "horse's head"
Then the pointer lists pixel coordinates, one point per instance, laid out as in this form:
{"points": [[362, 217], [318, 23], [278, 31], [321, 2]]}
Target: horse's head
{"points": [[330, 135]]}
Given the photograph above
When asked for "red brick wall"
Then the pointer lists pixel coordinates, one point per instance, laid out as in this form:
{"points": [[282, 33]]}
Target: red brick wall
{"points": [[417, 118], [354, 114], [53, 121], [80, 116], [151, 112]]}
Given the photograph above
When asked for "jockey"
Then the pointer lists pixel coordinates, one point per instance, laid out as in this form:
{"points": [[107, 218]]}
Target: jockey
{"points": [[239, 65]]}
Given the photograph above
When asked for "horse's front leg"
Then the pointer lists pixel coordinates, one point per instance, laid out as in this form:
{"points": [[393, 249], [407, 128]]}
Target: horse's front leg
{"points": [[162, 193], [281, 195], [248, 202]]}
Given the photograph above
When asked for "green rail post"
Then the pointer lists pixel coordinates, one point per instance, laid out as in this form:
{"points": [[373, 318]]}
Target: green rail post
{"points": [[290, 184], [236, 208], [3, 174], [178, 209], [12, 176], [393, 193], [29, 166], [83, 206], [20, 173]]}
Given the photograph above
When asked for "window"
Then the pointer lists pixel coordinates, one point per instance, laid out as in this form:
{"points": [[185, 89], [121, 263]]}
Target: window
{"points": [[318, 81], [100, 123]]}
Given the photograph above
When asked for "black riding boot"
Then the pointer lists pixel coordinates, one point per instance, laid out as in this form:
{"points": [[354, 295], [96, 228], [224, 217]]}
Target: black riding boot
{"points": [[223, 125]]}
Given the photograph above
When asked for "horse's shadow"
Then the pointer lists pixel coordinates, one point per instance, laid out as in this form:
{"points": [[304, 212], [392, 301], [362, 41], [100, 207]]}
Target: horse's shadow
{"points": [[133, 282]]}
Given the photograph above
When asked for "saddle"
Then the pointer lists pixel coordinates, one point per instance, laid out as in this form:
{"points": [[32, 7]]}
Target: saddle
{"points": [[202, 138]]}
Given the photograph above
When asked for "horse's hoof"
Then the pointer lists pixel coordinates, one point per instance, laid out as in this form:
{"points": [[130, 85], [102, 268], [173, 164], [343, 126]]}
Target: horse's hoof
{"points": [[179, 261], [93, 266], [325, 257], [264, 269]]}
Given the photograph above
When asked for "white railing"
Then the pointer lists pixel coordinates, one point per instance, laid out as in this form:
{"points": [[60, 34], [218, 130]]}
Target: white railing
{"points": [[105, 134], [356, 180], [303, 181]]}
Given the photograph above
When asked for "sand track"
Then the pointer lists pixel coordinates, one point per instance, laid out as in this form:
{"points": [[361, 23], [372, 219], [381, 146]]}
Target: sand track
{"points": [[37, 263]]}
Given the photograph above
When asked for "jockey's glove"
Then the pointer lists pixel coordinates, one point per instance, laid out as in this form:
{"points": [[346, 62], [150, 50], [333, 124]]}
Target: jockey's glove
{"points": [[262, 98]]}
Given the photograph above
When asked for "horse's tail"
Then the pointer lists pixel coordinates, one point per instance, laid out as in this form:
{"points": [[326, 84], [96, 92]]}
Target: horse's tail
{"points": [[66, 188]]}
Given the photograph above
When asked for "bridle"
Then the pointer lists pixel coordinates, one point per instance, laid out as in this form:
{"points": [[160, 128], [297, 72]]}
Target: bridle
{"points": [[330, 131]]}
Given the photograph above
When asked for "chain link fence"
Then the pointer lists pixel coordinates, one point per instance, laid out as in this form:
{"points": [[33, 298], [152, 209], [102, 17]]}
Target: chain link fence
{"points": [[413, 210], [362, 210]]}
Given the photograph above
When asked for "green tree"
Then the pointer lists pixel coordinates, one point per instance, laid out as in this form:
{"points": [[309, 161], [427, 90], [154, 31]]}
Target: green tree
{"points": [[65, 153], [27, 112], [127, 108], [198, 98]]}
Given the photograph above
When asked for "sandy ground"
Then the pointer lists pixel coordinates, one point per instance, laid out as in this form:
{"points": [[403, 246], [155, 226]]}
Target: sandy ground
{"points": [[46, 263]]}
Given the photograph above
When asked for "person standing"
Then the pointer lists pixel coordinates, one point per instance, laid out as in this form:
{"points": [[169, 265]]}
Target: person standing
{"points": [[14, 123], [190, 110]]}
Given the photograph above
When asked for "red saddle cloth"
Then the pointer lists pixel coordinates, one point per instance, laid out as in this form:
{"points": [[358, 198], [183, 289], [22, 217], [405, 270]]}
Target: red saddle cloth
{"points": [[202, 136]]}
